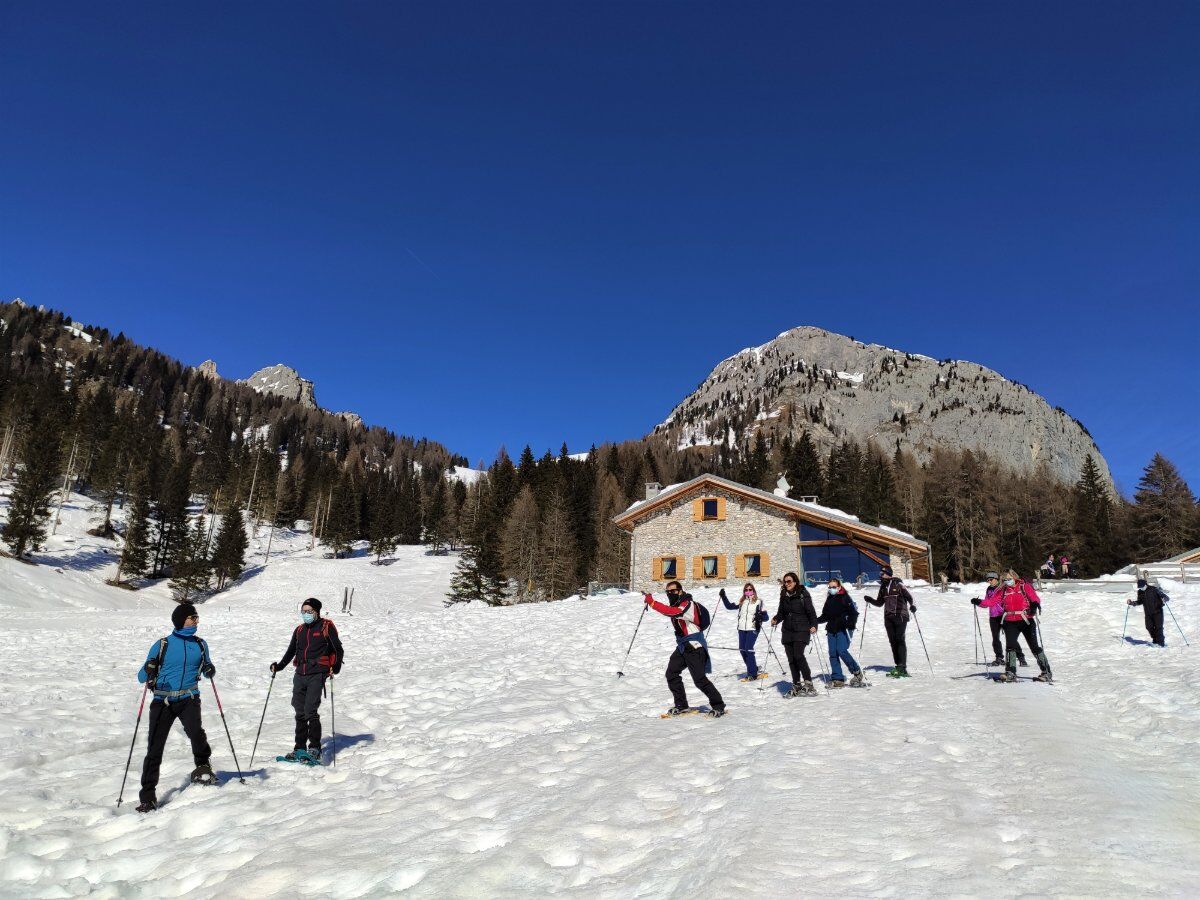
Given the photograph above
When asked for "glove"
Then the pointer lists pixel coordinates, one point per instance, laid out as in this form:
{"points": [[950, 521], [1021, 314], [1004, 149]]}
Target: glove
{"points": [[648, 599], [151, 670], [1035, 608], [976, 602], [208, 670], [722, 595], [337, 668], [1129, 603], [274, 668], [912, 608]]}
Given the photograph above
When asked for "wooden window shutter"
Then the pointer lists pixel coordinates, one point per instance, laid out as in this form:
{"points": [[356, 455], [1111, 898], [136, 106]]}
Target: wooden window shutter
{"points": [[698, 568], [698, 510], [679, 569], [721, 563], [657, 574], [765, 565], [720, 509], [739, 565]]}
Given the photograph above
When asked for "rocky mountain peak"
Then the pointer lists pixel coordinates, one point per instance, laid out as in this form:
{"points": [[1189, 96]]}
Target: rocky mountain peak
{"points": [[283, 381], [834, 387], [208, 369]]}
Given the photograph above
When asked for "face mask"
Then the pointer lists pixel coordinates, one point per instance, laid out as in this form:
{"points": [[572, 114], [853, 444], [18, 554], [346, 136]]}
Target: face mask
{"points": [[308, 618], [833, 591], [1009, 582], [188, 631]]}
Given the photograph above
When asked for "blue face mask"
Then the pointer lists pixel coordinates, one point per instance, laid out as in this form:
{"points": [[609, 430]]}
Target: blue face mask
{"points": [[188, 631], [308, 618]]}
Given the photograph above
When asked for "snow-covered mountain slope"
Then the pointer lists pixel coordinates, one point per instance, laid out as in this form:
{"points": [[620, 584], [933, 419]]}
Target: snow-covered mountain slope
{"points": [[284, 381], [493, 752], [835, 387]]}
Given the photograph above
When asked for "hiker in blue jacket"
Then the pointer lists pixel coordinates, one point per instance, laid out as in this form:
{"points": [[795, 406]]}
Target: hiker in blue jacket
{"points": [[841, 618], [172, 669]]}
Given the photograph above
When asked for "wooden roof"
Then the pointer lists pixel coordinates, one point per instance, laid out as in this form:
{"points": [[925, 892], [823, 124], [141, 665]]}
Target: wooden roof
{"points": [[1190, 556], [812, 513]]}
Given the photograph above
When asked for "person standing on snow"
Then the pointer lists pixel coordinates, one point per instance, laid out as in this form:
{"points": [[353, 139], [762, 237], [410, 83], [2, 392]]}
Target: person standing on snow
{"points": [[1021, 605], [1048, 567], [691, 650], [841, 618], [317, 652], [749, 623], [799, 619], [172, 671], [897, 603], [1064, 566], [1151, 600], [991, 602]]}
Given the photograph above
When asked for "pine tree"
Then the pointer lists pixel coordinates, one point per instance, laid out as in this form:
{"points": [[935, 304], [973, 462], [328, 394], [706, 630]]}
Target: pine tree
{"points": [[382, 532], [287, 509], [434, 516], [521, 542], [757, 470], [556, 563], [1094, 545], [612, 544], [171, 516], [472, 579], [342, 528], [843, 489], [229, 554], [41, 467], [1164, 512], [135, 556], [803, 469], [191, 569]]}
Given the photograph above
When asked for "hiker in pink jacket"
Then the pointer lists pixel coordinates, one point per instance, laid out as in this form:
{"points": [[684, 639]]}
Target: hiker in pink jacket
{"points": [[1019, 605], [991, 602]]}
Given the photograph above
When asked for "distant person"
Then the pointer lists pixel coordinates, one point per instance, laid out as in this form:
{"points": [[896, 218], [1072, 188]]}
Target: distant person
{"points": [[799, 619], [897, 603], [1021, 606], [1064, 567], [991, 602], [316, 652], [1151, 600], [840, 616], [691, 650], [172, 671], [1047, 569], [749, 623]]}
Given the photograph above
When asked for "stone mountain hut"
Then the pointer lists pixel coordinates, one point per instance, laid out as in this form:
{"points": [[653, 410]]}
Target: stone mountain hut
{"points": [[714, 532]]}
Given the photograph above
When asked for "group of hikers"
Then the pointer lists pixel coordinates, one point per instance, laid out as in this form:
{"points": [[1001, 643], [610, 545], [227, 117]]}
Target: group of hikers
{"points": [[1048, 570], [172, 672], [797, 619]]}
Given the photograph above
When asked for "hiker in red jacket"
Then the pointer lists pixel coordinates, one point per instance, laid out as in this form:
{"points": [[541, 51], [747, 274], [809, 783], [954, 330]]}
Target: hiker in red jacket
{"points": [[316, 652], [1021, 605], [691, 649]]}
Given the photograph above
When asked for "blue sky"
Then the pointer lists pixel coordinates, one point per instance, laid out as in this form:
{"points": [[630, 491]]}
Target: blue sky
{"points": [[502, 223]]}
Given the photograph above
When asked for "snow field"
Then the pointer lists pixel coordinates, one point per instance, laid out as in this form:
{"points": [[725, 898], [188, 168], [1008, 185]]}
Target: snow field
{"points": [[493, 752]]}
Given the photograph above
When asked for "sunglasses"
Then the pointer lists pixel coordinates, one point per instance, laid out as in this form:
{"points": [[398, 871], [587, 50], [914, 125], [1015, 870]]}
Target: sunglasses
{"points": [[192, 619]]}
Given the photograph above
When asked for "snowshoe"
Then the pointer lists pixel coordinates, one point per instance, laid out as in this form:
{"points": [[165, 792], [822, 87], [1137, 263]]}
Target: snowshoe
{"points": [[676, 711], [203, 774], [1006, 678], [715, 713], [902, 672], [808, 690], [1045, 676], [314, 755], [894, 672], [147, 806], [857, 680], [796, 691], [836, 683], [301, 756]]}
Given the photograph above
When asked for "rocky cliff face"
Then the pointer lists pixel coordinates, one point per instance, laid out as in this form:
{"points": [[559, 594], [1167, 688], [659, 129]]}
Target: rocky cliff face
{"points": [[834, 387], [283, 381]]}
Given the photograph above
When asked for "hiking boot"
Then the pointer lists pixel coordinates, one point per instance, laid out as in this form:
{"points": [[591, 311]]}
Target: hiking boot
{"points": [[203, 774], [717, 713], [796, 691], [1022, 662], [996, 662], [856, 679], [314, 753], [147, 806], [1045, 676], [678, 710], [903, 672], [297, 755], [837, 682], [894, 672], [808, 690]]}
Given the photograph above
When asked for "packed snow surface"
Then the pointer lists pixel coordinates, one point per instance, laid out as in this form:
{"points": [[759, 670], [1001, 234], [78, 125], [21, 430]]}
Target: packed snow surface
{"points": [[494, 753]]}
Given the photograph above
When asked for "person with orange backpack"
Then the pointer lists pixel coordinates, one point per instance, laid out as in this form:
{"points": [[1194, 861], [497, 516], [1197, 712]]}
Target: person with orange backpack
{"points": [[1021, 606], [316, 652]]}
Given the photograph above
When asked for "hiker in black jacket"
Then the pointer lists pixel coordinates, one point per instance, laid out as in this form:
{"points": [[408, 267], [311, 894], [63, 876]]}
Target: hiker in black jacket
{"points": [[897, 602], [316, 652], [1151, 600], [841, 618], [799, 620]]}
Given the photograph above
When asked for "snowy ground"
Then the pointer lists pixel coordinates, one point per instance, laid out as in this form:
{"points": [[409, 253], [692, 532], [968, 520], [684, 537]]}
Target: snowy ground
{"points": [[493, 752]]}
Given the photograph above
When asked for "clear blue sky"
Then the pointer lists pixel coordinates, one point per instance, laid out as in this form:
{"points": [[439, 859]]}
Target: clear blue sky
{"points": [[500, 223]]}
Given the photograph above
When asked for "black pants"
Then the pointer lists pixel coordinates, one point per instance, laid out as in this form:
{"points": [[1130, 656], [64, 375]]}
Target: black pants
{"points": [[1154, 625], [895, 631], [695, 659], [996, 623], [306, 700], [162, 717], [1027, 630], [796, 661]]}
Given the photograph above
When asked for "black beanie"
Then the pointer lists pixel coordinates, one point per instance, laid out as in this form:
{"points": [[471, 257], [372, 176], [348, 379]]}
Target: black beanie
{"points": [[181, 612], [314, 603]]}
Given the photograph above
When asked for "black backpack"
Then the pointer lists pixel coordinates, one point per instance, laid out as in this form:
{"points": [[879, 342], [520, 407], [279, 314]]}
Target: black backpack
{"points": [[702, 612]]}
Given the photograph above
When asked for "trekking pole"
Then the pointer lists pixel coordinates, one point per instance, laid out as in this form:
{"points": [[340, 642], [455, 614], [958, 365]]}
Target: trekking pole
{"points": [[863, 634], [1176, 621], [771, 647], [821, 658], [1126, 625], [982, 639], [227, 734], [332, 724], [926, 649], [137, 725], [620, 671], [977, 634], [261, 720]]}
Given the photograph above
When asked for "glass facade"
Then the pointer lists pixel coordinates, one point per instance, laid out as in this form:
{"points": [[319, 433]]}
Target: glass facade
{"points": [[836, 561]]}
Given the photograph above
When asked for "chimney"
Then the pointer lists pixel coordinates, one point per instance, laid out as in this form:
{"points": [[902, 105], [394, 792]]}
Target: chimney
{"points": [[809, 498], [652, 489]]}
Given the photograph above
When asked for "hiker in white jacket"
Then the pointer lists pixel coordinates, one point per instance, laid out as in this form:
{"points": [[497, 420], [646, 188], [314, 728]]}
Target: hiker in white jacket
{"points": [[751, 615]]}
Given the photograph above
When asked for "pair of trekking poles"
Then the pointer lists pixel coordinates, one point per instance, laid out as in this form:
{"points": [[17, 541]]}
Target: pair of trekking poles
{"points": [[863, 636], [1125, 627], [229, 737]]}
